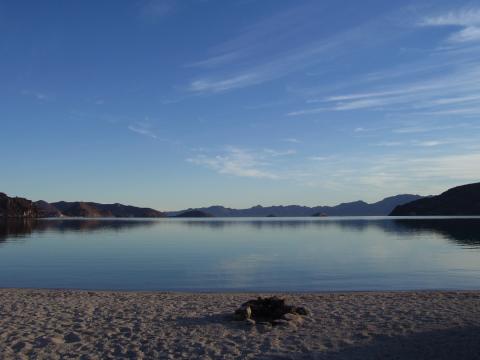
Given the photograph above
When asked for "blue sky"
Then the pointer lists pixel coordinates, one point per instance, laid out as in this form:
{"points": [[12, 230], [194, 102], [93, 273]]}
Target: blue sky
{"points": [[172, 104]]}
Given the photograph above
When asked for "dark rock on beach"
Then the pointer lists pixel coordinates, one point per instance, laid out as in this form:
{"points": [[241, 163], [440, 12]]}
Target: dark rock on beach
{"points": [[272, 310]]}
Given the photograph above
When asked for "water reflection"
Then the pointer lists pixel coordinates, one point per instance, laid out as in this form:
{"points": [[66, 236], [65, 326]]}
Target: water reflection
{"points": [[20, 228], [296, 254], [461, 231], [465, 232]]}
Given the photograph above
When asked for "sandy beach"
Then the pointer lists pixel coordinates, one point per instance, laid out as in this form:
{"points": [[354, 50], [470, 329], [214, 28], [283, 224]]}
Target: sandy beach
{"points": [[63, 324]]}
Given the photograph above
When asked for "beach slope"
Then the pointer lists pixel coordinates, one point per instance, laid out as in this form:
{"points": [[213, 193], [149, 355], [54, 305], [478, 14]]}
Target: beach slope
{"points": [[54, 324]]}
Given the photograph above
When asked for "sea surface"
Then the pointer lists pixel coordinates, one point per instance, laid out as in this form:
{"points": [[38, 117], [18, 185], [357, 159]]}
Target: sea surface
{"points": [[242, 254]]}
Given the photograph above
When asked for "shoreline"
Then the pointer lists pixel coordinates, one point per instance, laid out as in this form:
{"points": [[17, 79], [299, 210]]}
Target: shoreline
{"points": [[241, 292], [86, 324]]}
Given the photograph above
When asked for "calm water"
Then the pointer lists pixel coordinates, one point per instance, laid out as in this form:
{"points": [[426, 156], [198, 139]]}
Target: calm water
{"points": [[296, 254]]}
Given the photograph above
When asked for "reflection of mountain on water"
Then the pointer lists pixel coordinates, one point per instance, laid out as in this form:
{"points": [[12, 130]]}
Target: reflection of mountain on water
{"points": [[461, 231], [344, 224], [464, 232], [17, 228]]}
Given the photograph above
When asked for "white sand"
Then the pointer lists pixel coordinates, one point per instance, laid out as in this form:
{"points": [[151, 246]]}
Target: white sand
{"points": [[60, 324]]}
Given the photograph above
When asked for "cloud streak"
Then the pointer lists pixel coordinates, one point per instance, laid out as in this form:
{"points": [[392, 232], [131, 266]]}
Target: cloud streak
{"points": [[468, 19], [259, 54], [456, 92], [236, 162], [143, 129], [154, 10]]}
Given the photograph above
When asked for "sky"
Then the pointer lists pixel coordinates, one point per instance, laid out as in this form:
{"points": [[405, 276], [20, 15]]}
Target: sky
{"points": [[174, 104]]}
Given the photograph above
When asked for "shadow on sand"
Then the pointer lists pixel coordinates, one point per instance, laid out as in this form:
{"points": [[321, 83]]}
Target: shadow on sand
{"points": [[456, 343]]}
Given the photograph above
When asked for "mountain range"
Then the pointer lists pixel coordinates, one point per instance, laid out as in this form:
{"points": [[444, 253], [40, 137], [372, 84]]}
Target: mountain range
{"points": [[461, 200], [19, 207], [356, 208]]}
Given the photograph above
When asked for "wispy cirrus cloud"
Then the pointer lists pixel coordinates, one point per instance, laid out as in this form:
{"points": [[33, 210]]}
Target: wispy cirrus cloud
{"points": [[154, 10], [456, 92], [144, 129], [467, 18], [292, 140], [459, 17], [38, 95], [429, 170], [422, 143], [217, 60], [237, 162], [215, 85], [309, 111], [260, 52], [423, 171], [445, 82], [426, 128], [265, 163], [280, 152]]}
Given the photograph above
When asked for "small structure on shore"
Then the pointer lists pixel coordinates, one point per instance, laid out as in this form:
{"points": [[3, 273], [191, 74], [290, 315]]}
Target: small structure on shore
{"points": [[270, 310]]}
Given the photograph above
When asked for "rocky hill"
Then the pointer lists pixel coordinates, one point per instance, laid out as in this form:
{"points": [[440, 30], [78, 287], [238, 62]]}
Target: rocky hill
{"points": [[16, 207], [95, 210], [461, 200]]}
